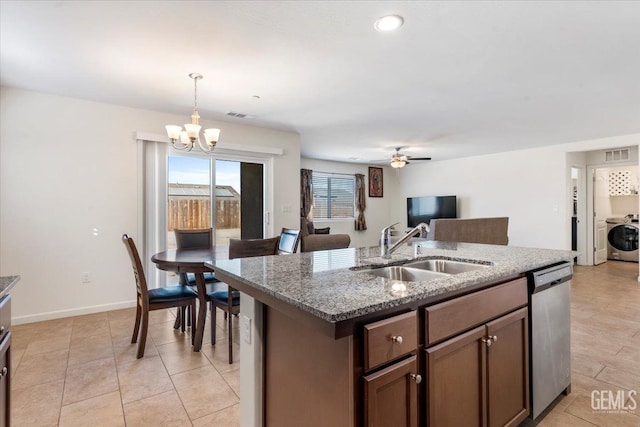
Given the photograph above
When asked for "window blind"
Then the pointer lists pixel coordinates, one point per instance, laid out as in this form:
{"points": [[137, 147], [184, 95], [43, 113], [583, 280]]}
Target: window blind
{"points": [[333, 196]]}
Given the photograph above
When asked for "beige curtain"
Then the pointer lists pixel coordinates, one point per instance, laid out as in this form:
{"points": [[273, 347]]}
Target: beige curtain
{"points": [[306, 192], [361, 203]]}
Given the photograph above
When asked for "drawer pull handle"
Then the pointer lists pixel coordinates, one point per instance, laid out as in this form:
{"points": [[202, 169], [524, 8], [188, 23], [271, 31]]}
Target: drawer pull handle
{"points": [[2, 329], [3, 372], [417, 378], [487, 341], [494, 338], [397, 339]]}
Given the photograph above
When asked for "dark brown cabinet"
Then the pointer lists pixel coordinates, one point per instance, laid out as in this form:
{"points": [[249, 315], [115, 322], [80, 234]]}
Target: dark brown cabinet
{"points": [[5, 381], [462, 361], [480, 377], [391, 395], [5, 361], [456, 392], [508, 369]]}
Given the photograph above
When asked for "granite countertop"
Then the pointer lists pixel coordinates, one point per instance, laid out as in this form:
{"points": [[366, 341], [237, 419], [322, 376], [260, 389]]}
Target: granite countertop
{"points": [[6, 283], [335, 286]]}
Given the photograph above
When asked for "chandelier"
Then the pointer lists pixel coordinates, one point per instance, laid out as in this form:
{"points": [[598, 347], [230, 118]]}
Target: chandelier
{"points": [[186, 139]]}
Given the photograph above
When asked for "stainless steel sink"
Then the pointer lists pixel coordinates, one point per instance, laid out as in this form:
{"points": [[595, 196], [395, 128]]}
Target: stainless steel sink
{"points": [[405, 274], [445, 266]]}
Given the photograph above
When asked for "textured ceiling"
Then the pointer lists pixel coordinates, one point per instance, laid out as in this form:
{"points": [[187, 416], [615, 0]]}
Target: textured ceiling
{"points": [[458, 79]]}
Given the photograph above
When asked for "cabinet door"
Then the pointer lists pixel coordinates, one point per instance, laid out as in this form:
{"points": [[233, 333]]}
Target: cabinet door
{"points": [[508, 369], [456, 382], [391, 395]]}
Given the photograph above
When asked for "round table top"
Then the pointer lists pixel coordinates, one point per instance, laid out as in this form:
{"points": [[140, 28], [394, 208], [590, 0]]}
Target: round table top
{"points": [[188, 260]]}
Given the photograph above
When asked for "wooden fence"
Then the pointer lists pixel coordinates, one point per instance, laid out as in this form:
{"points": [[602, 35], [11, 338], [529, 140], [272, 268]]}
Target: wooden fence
{"points": [[196, 213]]}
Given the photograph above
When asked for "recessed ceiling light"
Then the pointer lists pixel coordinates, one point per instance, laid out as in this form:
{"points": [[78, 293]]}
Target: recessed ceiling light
{"points": [[388, 23]]}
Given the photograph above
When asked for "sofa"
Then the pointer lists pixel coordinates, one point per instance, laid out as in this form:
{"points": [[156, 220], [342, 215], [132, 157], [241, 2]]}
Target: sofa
{"points": [[319, 239], [491, 231]]}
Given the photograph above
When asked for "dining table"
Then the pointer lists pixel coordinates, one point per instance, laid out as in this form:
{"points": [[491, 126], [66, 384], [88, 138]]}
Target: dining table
{"points": [[192, 261]]}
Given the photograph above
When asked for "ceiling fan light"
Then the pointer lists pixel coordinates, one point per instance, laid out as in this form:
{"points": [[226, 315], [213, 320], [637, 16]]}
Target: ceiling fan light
{"points": [[397, 163]]}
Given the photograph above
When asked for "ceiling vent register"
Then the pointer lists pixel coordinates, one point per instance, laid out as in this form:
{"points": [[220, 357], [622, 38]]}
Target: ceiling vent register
{"points": [[617, 155], [241, 115]]}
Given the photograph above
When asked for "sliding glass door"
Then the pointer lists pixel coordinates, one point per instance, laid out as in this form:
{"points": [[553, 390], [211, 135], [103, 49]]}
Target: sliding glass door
{"points": [[189, 200], [228, 193]]}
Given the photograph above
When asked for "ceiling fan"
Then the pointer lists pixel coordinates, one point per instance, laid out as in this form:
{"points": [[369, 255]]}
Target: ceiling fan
{"points": [[399, 160]]}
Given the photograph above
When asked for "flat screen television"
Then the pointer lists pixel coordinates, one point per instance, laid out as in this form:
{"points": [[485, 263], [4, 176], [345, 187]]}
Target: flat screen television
{"points": [[424, 209]]}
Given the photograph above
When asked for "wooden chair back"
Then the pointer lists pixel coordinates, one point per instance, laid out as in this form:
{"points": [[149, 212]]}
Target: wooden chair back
{"points": [[194, 238], [289, 240], [138, 271], [253, 247]]}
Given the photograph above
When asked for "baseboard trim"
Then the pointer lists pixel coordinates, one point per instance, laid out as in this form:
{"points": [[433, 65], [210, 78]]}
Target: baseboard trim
{"points": [[51, 315]]}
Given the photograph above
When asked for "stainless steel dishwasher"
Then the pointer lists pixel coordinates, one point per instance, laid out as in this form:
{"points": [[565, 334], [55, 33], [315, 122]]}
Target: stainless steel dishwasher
{"points": [[550, 334]]}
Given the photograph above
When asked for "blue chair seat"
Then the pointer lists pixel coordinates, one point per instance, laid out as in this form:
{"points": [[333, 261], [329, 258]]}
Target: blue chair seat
{"points": [[209, 277], [171, 294], [223, 295]]}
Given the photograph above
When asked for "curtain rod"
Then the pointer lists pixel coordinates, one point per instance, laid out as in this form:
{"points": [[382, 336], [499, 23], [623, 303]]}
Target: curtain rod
{"points": [[335, 173]]}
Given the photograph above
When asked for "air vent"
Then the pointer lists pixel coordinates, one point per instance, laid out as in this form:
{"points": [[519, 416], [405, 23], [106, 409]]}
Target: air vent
{"points": [[616, 155], [240, 115]]}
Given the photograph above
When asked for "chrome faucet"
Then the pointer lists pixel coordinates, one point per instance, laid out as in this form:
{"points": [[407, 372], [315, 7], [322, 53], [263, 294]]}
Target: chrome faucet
{"points": [[386, 251]]}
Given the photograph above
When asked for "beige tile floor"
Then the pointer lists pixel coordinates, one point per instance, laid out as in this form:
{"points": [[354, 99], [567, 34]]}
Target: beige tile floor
{"points": [[82, 371]]}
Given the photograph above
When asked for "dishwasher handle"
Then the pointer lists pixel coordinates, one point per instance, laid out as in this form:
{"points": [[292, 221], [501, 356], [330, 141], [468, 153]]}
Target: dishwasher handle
{"points": [[546, 278]]}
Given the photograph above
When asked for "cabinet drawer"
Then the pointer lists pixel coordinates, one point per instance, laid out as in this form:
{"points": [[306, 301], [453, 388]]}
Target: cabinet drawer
{"points": [[5, 316], [389, 339], [452, 317]]}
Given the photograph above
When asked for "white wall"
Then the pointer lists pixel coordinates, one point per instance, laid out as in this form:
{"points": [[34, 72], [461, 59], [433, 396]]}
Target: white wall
{"points": [[619, 206], [377, 213], [68, 166], [531, 187]]}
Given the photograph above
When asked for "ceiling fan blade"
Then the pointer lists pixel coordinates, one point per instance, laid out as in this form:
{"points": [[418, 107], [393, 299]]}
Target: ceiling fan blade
{"points": [[420, 158]]}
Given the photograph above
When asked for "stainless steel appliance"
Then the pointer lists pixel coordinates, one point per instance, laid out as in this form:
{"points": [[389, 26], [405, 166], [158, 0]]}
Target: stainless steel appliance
{"points": [[622, 239], [549, 334]]}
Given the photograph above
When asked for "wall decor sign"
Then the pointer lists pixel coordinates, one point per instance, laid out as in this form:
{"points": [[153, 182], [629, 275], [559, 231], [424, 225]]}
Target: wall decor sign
{"points": [[375, 182]]}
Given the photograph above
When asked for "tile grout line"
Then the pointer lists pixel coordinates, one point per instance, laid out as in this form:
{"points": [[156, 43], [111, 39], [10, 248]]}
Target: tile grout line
{"points": [[172, 383], [124, 417]]}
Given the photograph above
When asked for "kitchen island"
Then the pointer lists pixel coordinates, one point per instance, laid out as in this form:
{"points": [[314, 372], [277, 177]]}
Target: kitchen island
{"points": [[327, 342]]}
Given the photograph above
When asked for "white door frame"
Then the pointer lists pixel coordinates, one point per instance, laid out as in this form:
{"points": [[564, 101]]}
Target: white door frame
{"points": [[581, 213], [590, 208]]}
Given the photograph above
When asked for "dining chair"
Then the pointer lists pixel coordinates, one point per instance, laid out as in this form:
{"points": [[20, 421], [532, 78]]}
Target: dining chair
{"points": [[288, 243], [229, 300], [193, 238], [196, 238], [155, 299]]}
